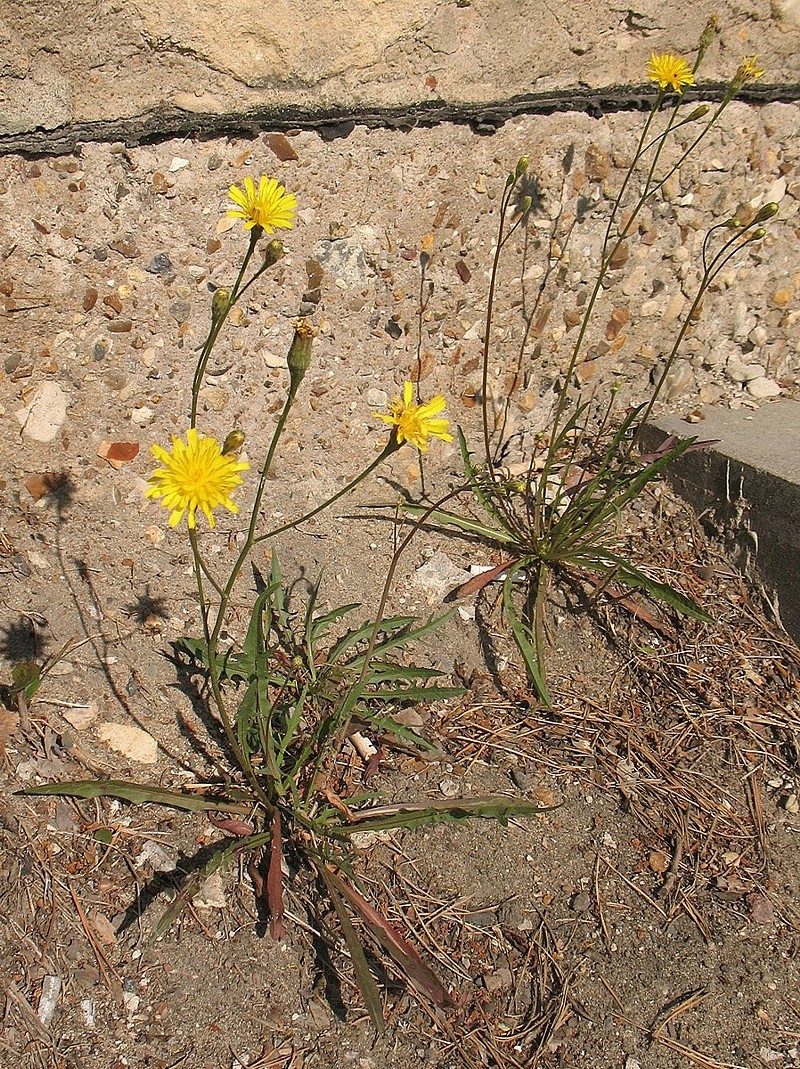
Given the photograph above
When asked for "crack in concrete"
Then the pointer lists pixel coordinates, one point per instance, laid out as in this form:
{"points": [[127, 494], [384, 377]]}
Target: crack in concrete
{"points": [[335, 122]]}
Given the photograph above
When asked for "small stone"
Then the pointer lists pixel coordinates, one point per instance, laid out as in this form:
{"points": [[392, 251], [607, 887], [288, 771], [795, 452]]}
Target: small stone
{"points": [[281, 146], [46, 410], [154, 855], [160, 265], [499, 980], [438, 576], [131, 741], [679, 379], [159, 183], [782, 297], [581, 902], [597, 164], [762, 388], [143, 416], [585, 371], [180, 310], [791, 804], [377, 398], [178, 163], [761, 909], [89, 298], [214, 162], [126, 247], [273, 360]]}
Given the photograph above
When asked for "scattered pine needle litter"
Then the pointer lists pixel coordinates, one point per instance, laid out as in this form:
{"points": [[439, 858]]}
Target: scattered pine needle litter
{"points": [[692, 734]]}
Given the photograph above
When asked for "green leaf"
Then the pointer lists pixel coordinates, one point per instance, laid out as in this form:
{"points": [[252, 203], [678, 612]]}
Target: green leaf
{"points": [[138, 794], [531, 655], [635, 579], [462, 523], [419, 814], [364, 979], [27, 677]]}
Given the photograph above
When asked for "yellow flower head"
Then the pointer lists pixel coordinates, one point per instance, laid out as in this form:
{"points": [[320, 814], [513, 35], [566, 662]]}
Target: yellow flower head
{"points": [[269, 207], [748, 71], [669, 70], [196, 475], [415, 423]]}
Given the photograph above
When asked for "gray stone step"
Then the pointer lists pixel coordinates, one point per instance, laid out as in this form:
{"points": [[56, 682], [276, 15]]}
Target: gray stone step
{"points": [[747, 489]]}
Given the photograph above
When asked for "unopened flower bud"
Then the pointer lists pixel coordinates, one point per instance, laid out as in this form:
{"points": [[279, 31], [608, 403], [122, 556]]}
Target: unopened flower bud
{"points": [[698, 113], [757, 235], [707, 36], [766, 212], [233, 443], [299, 356], [522, 167], [273, 252], [733, 224], [219, 304]]}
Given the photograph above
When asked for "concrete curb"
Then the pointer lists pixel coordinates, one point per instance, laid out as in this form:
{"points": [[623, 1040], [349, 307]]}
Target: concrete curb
{"points": [[746, 489]]}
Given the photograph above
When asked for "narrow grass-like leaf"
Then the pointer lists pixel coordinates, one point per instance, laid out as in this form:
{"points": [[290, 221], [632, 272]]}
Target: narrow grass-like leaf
{"points": [[635, 579], [462, 523], [398, 948], [138, 794], [364, 979], [419, 814], [533, 657]]}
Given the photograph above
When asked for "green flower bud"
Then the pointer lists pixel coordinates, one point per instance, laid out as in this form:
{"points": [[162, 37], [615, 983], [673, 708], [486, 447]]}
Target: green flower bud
{"points": [[233, 443], [698, 113], [273, 252], [219, 304], [766, 212], [757, 235], [299, 356], [522, 166]]}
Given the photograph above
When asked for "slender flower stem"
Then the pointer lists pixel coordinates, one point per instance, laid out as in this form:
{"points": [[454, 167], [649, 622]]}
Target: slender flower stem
{"points": [[213, 673], [218, 322]]}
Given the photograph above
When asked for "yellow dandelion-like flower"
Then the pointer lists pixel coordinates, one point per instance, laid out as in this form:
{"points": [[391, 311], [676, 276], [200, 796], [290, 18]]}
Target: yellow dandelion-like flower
{"points": [[196, 475], [748, 71], [416, 423], [269, 207], [667, 69]]}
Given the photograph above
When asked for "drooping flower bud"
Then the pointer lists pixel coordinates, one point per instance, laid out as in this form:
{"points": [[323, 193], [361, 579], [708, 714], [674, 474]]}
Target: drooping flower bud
{"points": [[233, 443], [299, 356], [698, 113], [219, 304], [273, 252], [766, 212]]}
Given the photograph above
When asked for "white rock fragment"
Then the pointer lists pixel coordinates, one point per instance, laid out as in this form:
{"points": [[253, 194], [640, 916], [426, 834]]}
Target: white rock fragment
{"points": [[178, 163], [141, 417], [44, 412], [154, 855], [212, 894], [48, 1000], [762, 388], [438, 576], [132, 742]]}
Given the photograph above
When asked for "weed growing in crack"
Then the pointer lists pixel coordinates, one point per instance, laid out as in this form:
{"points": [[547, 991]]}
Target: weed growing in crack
{"points": [[556, 515]]}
